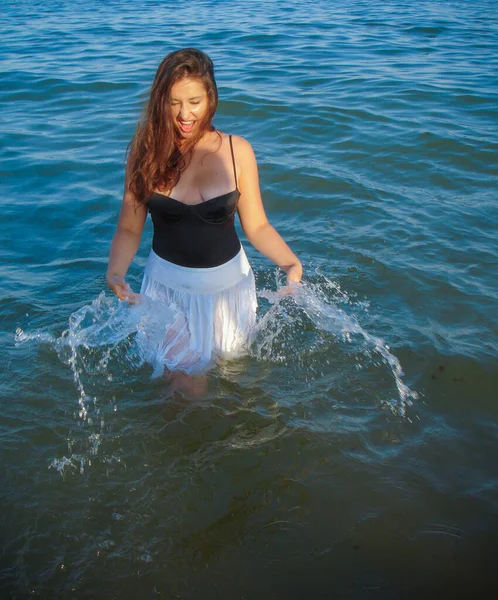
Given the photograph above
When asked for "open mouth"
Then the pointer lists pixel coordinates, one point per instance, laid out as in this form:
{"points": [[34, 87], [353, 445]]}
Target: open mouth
{"points": [[186, 126]]}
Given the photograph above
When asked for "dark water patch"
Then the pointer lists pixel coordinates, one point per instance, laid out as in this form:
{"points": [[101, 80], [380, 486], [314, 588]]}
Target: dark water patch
{"points": [[427, 31]]}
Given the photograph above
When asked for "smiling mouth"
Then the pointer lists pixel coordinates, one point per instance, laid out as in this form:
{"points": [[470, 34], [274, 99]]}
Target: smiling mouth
{"points": [[186, 126]]}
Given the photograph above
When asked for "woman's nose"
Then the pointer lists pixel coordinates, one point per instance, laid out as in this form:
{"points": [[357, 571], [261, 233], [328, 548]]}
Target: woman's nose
{"points": [[183, 112]]}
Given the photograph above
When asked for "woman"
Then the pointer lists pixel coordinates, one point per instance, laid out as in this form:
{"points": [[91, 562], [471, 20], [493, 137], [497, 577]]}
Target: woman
{"points": [[193, 179]]}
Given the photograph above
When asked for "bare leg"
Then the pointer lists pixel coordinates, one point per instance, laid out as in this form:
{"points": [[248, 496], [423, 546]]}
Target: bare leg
{"points": [[191, 386]]}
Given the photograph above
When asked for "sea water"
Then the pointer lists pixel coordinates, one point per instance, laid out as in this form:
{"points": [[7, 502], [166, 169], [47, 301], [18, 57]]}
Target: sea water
{"points": [[352, 451]]}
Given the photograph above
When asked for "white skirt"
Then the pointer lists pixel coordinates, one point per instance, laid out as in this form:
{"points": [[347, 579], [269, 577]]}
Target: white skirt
{"points": [[213, 311]]}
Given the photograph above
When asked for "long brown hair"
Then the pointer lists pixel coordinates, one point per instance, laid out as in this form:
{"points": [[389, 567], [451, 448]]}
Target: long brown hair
{"points": [[155, 158]]}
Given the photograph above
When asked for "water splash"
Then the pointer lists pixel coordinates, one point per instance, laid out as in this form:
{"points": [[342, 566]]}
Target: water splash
{"points": [[300, 320], [109, 334], [104, 332], [102, 339]]}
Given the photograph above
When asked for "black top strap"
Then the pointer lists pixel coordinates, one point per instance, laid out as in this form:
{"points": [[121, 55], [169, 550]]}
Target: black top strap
{"points": [[233, 160]]}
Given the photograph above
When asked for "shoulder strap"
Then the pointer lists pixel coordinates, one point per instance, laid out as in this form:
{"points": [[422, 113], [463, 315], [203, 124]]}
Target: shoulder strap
{"points": [[233, 161]]}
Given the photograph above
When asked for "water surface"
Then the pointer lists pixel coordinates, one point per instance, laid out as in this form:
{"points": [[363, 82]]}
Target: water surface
{"points": [[306, 469]]}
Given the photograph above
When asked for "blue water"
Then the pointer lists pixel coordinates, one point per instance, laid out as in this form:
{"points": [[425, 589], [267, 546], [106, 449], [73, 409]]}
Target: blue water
{"points": [[352, 453]]}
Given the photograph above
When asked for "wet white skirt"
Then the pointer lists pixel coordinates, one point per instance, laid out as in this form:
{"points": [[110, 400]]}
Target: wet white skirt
{"points": [[213, 310]]}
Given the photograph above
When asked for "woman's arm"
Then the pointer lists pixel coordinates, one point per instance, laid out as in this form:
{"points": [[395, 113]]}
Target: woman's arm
{"points": [[125, 243], [253, 217]]}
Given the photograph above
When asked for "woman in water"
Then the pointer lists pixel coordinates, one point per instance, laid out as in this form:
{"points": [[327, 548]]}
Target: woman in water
{"points": [[192, 179]]}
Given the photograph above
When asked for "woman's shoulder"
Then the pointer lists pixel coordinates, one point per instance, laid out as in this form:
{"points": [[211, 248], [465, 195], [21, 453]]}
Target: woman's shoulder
{"points": [[237, 140], [241, 147]]}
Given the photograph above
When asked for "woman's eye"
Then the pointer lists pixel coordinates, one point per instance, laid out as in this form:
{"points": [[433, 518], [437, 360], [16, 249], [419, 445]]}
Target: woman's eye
{"points": [[195, 103]]}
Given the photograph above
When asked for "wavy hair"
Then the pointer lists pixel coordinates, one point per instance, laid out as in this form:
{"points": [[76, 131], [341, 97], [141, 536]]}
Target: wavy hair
{"points": [[156, 159]]}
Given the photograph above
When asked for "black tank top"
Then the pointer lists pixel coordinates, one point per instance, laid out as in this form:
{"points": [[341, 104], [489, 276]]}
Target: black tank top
{"points": [[196, 235]]}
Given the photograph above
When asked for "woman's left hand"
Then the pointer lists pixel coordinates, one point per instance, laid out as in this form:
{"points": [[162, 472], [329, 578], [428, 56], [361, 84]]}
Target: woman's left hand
{"points": [[294, 274]]}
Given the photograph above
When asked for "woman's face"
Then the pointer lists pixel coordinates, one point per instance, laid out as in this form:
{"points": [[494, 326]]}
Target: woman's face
{"points": [[189, 105]]}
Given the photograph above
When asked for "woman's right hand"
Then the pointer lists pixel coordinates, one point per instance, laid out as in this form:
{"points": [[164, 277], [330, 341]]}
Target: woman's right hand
{"points": [[120, 287]]}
